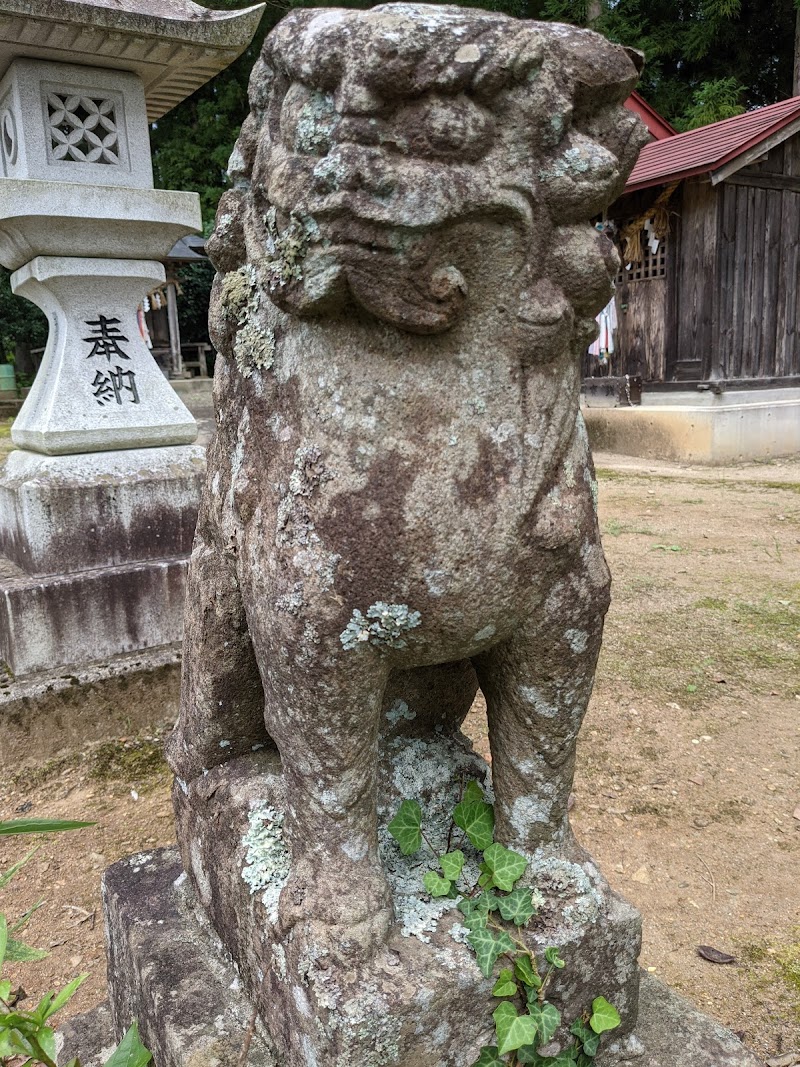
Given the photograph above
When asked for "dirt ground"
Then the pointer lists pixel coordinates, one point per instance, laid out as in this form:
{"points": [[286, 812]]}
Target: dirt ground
{"points": [[688, 783]]}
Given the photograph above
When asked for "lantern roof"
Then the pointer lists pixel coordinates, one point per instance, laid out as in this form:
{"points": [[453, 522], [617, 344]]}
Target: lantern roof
{"points": [[174, 46]]}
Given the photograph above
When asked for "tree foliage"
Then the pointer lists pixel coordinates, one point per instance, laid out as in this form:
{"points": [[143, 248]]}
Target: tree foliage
{"points": [[706, 60]]}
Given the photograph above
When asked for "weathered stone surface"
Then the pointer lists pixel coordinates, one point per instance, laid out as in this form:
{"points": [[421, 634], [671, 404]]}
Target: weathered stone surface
{"points": [[87, 616], [400, 482], [99, 387], [673, 1033], [171, 974], [88, 1037], [168, 970], [60, 514], [67, 123], [421, 1000], [43, 218]]}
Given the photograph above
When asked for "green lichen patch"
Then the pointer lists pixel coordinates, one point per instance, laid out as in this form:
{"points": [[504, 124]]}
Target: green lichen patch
{"points": [[266, 864], [254, 348], [240, 293], [286, 249], [384, 626]]}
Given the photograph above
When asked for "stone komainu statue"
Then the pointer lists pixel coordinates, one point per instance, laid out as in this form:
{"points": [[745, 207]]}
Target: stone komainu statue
{"points": [[400, 497]]}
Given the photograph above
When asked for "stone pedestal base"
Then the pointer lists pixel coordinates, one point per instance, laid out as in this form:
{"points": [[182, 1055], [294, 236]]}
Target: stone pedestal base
{"points": [[96, 546], [168, 969], [421, 1001]]}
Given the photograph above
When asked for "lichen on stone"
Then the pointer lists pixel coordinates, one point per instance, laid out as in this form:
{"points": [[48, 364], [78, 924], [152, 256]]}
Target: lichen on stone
{"points": [[287, 249], [400, 710], [240, 293], [294, 518], [315, 124], [267, 857], [384, 626], [254, 348]]}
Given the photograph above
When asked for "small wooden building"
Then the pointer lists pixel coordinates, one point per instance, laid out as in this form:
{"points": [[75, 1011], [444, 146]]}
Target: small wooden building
{"points": [[709, 227]]}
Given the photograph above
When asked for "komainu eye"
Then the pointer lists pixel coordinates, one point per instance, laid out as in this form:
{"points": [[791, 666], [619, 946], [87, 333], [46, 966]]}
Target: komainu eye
{"points": [[308, 120]]}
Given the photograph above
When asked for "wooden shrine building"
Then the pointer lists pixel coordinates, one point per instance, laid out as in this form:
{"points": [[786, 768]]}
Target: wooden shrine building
{"points": [[709, 232]]}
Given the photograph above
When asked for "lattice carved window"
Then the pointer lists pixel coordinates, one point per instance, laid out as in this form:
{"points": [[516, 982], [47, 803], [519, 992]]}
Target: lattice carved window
{"points": [[82, 128], [653, 261]]}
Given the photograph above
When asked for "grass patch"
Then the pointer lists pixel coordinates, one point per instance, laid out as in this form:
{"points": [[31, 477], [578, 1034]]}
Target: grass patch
{"points": [[743, 486], [693, 648], [614, 527], [47, 771], [129, 761], [788, 959]]}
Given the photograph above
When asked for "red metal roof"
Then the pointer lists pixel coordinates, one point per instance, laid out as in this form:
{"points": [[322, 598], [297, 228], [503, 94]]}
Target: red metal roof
{"points": [[655, 123], [709, 147]]}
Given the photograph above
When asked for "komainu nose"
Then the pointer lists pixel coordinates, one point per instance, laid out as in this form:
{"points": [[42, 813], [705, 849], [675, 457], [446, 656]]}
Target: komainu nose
{"points": [[354, 168], [352, 97]]}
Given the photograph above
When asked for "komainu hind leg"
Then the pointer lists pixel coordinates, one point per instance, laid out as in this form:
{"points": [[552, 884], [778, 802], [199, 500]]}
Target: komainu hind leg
{"points": [[222, 701]]}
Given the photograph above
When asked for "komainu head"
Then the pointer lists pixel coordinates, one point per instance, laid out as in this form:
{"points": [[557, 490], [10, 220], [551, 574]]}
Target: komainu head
{"points": [[372, 134]]}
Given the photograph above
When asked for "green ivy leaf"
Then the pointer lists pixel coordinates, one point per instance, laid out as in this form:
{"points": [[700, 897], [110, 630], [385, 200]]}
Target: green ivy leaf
{"points": [[476, 819], [553, 958], [405, 828], [604, 1016], [529, 1055], [489, 1057], [473, 794], [130, 1052], [436, 885], [588, 1038], [505, 986], [547, 1019], [513, 1030], [486, 880], [476, 909], [526, 972], [506, 866], [584, 1060], [488, 948], [517, 906], [19, 952], [452, 864]]}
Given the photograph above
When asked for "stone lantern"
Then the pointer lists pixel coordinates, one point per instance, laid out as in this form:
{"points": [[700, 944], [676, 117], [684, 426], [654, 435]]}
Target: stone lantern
{"points": [[97, 505]]}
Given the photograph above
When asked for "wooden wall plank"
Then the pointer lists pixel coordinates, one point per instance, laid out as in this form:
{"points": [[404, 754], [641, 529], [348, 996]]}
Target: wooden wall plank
{"points": [[726, 252], [695, 279], [756, 281], [769, 293], [788, 328]]}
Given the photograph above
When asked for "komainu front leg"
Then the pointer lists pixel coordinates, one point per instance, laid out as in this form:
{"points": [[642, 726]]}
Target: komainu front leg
{"points": [[537, 688], [222, 702], [325, 724]]}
